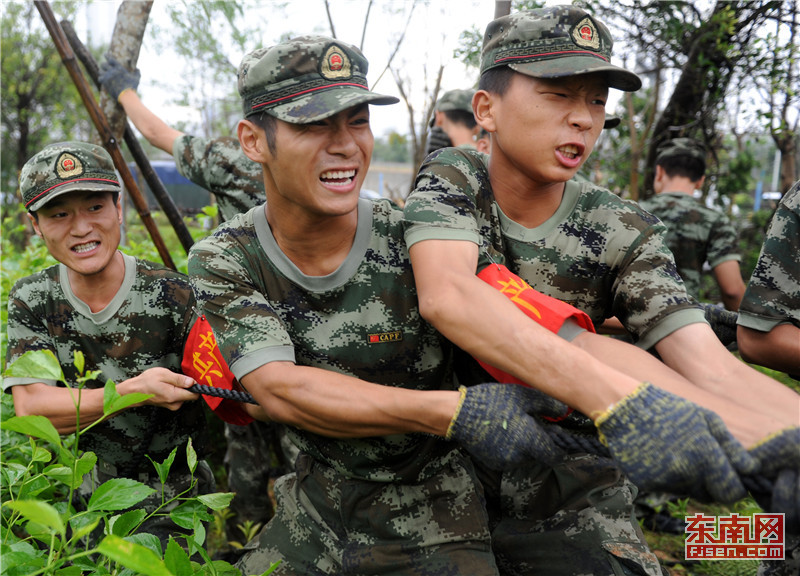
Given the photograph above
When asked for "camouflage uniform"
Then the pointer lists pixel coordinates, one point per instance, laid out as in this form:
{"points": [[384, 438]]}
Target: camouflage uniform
{"points": [[695, 234], [773, 294], [144, 327], [400, 504], [252, 453], [220, 166], [600, 254]]}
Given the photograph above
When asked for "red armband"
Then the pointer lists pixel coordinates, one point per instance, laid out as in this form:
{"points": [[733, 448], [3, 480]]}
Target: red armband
{"points": [[203, 361], [543, 309]]}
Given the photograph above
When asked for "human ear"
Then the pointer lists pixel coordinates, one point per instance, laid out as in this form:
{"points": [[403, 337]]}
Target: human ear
{"points": [[482, 108], [252, 140], [35, 224]]}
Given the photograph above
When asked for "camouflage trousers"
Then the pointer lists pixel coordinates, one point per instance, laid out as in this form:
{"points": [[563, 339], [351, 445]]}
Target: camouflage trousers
{"points": [[178, 481], [327, 523], [254, 454], [572, 519]]}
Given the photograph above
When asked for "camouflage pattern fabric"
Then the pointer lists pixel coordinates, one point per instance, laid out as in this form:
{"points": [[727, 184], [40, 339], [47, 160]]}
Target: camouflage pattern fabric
{"points": [[143, 327], [773, 294], [407, 501], [305, 79], [456, 100], [599, 253], [220, 166], [362, 321], [340, 525], [567, 519], [695, 234]]}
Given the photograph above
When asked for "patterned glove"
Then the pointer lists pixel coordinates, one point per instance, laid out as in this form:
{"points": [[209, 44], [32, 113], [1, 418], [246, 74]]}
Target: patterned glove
{"points": [[493, 422], [115, 78], [437, 139], [786, 499], [777, 452], [663, 441], [722, 321]]}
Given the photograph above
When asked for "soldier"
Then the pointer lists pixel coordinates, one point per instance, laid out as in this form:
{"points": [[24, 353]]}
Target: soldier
{"points": [[695, 233], [128, 317], [545, 76], [253, 452], [453, 123], [312, 300], [769, 317]]}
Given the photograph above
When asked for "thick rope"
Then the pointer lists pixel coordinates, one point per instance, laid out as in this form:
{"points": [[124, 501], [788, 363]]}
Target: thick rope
{"points": [[570, 443]]}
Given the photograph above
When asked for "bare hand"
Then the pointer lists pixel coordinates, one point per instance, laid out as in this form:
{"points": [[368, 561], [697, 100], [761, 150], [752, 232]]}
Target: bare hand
{"points": [[167, 387]]}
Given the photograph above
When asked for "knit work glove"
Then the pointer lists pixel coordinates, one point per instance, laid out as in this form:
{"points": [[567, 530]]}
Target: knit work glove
{"points": [[778, 451], [786, 498], [493, 423], [115, 78], [664, 442], [437, 139]]}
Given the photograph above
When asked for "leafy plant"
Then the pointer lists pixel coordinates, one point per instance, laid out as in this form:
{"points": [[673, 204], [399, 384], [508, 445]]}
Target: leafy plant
{"points": [[41, 529]]}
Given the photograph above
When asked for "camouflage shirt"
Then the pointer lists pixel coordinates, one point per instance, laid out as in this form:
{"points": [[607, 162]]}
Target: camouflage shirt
{"points": [[599, 253], [143, 327], [773, 294], [220, 166], [362, 320], [695, 233]]}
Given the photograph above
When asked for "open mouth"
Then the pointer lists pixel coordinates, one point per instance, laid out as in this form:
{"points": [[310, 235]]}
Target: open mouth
{"points": [[338, 177], [569, 151], [81, 248]]}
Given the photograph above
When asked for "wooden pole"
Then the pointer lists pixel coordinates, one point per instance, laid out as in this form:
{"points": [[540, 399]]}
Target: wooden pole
{"points": [[106, 137], [148, 173]]}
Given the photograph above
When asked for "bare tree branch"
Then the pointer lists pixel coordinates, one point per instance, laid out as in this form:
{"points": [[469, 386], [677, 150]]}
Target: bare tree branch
{"points": [[330, 19]]}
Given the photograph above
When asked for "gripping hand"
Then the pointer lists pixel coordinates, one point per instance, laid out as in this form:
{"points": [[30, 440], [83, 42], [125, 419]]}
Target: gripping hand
{"points": [[493, 423], [663, 441], [115, 78], [778, 452]]}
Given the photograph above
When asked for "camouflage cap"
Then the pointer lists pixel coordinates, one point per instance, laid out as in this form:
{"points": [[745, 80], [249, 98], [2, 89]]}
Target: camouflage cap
{"points": [[456, 100], [305, 79], [554, 42], [680, 147], [66, 167]]}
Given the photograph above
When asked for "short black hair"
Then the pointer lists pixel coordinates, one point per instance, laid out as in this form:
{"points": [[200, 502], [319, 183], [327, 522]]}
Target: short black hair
{"points": [[496, 80], [684, 165], [269, 124], [461, 117]]}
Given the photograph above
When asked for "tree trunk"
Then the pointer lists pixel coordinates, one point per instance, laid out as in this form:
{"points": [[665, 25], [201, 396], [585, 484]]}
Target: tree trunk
{"points": [[125, 44]]}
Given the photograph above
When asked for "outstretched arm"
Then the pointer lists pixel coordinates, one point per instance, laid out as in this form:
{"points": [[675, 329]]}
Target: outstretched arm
{"points": [[153, 128], [59, 404], [778, 349], [731, 286]]}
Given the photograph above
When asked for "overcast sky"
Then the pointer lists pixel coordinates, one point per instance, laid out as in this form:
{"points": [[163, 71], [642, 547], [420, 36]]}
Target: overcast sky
{"points": [[431, 39]]}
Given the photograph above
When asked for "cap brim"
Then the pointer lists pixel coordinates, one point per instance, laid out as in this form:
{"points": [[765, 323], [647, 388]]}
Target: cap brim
{"points": [[611, 121], [68, 187], [326, 103], [618, 78]]}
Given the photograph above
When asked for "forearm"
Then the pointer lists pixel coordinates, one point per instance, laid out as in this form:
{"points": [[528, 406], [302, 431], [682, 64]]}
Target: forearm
{"points": [[153, 128], [59, 405], [778, 349], [340, 406], [747, 426], [695, 352]]}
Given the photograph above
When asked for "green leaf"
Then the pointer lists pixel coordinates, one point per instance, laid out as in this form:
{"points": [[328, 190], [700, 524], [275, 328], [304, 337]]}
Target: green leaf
{"points": [[123, 524], [191, 456], [39, 512], [69, 571], [41, 454], [36, 426], [185, 514], [162, 469], [83, 524], [61, 473], [217, 500], [177, 560], [133, 556], [114, 401], [36, 364], [79, 361], [118, 494]]}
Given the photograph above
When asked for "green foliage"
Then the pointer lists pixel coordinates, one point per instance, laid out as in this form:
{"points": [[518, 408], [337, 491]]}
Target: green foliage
{"points": [[42, 531], [393, 148]]}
